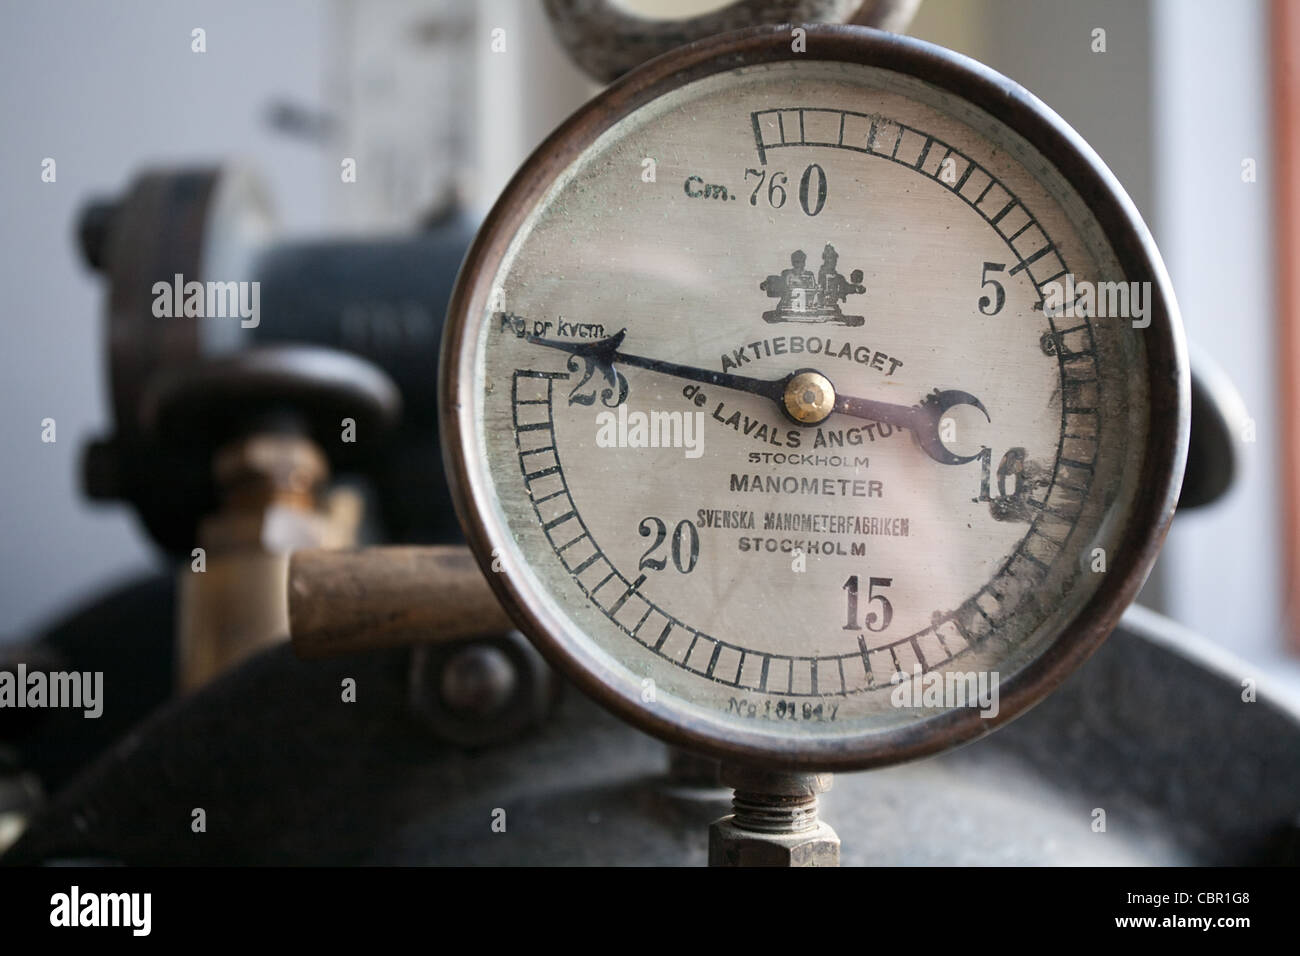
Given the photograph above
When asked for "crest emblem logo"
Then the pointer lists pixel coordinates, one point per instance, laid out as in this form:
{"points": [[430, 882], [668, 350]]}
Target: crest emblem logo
{"points": [[808, 298]]}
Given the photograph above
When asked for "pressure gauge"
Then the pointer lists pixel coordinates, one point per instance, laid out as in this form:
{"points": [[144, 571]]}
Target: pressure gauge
{"points": [[815, 400]]}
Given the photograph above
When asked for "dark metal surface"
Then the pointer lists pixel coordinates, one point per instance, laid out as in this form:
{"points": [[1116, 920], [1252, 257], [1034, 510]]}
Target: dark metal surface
{"points": [[1219, 426], [1166, 371], [383, 298], [607, 40], [480, 693], [157, 230], [211, 402], [1152, 730], [127, 634], [380, 298]]}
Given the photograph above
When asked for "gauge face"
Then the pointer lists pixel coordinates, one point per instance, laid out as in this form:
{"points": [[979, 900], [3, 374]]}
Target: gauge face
{"points": [[794, 405]]}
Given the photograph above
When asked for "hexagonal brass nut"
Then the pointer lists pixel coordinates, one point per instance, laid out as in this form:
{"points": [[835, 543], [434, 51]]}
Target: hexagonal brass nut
{"points": [[731, 846]]}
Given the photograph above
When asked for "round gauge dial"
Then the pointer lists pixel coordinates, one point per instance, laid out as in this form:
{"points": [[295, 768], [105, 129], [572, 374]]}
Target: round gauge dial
{"points": [[819, 406]]}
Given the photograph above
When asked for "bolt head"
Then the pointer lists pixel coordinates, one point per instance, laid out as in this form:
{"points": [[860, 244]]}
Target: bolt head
{"points": [[478, 681], [731, 846]]}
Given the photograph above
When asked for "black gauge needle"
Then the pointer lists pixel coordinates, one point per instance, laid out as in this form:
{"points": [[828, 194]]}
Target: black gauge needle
{"points": [[806, 396]]}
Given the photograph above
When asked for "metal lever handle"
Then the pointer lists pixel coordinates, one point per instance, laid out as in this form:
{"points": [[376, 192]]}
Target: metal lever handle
{"points": [[345, 602]]}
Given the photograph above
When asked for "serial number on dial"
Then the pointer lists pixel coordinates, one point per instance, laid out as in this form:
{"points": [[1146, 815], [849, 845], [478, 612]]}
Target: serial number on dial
{"points": [[779, 709]]}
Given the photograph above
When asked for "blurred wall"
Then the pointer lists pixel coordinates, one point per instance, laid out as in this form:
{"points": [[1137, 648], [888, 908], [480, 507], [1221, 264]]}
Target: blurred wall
{"points": [[107, 89], [104, 88], [1216, 232]]}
